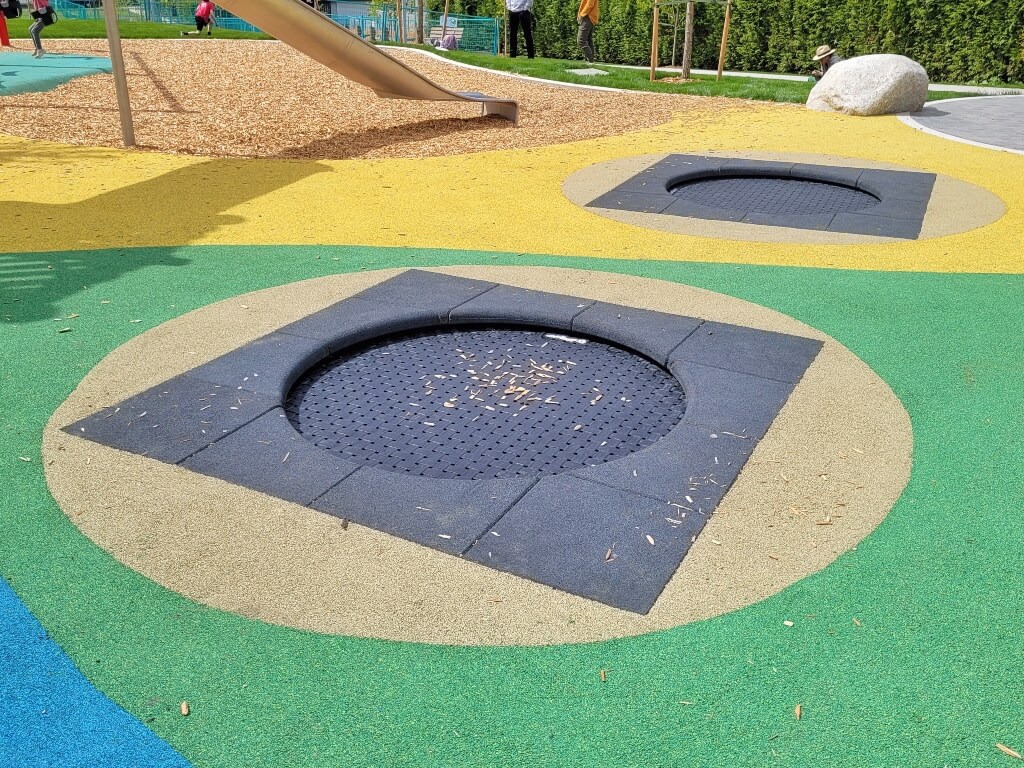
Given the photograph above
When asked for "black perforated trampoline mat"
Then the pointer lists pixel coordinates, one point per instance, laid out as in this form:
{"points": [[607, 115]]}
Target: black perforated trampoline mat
{"points": [[778, 196], [480, 403]]}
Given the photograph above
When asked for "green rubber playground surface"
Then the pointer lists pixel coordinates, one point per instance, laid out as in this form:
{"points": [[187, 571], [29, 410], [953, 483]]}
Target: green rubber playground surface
{"points": [[906, 651], [21, 73]]}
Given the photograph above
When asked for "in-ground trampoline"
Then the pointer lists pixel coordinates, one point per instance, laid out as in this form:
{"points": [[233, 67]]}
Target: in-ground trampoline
{"points": [[519, 429], [862, 201]]}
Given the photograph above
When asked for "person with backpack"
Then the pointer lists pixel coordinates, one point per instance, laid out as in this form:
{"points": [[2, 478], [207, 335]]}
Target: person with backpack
{"points": [[11, 9], [44, 16], [204, 19]]}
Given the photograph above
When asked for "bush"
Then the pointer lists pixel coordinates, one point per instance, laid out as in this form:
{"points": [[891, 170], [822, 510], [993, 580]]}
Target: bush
{"points": [[962, 41]]}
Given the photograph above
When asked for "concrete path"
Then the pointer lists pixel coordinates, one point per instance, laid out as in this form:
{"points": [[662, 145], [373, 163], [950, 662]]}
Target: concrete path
{"points": [[980, 89], [986, 121]]}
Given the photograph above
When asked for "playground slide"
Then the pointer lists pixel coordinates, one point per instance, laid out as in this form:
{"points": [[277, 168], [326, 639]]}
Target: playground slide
{"points": [[319, 37]]}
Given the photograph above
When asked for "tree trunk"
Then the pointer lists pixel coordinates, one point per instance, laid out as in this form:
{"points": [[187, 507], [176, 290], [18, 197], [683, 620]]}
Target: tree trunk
{"points": [[688, 40], [419, 21]]}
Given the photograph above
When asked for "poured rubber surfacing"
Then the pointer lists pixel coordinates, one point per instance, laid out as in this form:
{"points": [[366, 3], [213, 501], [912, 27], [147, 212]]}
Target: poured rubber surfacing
{"points": [[642, 511]]}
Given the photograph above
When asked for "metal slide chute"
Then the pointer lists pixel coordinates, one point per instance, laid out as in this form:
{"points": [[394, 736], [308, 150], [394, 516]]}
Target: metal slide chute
{"points": [[323, 39]]}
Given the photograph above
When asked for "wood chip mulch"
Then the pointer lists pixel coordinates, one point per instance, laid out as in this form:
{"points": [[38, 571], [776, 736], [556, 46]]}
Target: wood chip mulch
{"points": [[242, 98]]}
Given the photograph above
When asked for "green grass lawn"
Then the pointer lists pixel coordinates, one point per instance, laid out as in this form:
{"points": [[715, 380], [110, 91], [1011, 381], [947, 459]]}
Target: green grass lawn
{"points": [[761, 89], [130, 30]]}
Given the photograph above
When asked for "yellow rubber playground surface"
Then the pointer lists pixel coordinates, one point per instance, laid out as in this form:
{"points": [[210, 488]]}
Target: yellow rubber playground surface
{"points": [[898, 646], [489, 201]]}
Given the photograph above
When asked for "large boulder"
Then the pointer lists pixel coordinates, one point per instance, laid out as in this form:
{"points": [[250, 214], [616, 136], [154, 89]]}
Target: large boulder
{"points": [[880, 84]]}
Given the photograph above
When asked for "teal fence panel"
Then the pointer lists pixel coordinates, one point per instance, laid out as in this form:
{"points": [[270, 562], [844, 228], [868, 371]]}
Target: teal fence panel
{"points": [[479, 33]]}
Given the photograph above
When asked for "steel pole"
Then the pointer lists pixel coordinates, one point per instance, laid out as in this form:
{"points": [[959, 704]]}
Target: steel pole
{"points": [[124, 106]]}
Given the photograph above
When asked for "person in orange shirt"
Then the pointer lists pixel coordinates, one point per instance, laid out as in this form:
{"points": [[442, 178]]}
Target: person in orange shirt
{"points": [[587, 18]]}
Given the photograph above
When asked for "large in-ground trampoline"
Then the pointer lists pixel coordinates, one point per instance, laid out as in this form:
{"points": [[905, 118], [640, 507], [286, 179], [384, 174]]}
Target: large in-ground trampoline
{"points": [[481, 434], [576, 463]]}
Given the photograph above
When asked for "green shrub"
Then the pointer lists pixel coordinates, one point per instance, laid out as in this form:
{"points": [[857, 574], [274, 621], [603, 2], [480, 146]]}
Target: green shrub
{"points": [[955, 40]]}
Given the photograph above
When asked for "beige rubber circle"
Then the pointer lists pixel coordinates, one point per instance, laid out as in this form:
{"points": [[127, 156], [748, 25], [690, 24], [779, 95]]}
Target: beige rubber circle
{"points": [[955, 206], [828, 471]]}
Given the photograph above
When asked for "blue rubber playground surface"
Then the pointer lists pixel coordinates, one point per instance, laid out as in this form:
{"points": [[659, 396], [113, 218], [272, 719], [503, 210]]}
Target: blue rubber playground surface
{"points": [[53, 716], [21, 73]]}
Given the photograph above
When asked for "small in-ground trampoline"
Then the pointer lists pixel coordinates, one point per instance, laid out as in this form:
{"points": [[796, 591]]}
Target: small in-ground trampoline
{"points": [[863, 201], [518, 429], [483, 402]]}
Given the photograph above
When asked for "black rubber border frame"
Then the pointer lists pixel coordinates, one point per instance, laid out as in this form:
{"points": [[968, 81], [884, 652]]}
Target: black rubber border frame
{"points": [[615, 532], [903, 195]]}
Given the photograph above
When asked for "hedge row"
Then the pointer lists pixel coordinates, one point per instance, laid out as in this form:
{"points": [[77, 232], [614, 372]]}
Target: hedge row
{"points": [[964, 41]]}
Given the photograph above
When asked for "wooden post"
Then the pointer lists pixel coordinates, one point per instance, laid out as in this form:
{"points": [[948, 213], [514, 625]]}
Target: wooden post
{"points": [[124, 105], [654, 41], [725, 39], [691, 8]]}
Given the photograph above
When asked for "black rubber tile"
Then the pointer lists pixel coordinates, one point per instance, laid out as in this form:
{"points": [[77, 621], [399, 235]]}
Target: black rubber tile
{"points": [[520, 306], [682, 207], [267, 366], [685, 166], [627, 200], [268, 455], [816, 221], [590, 540], [727, 401], [748, 350], [419, 289], [741, 167], [445, 514], [173, 420], [352, 321], [654, 334], [897, 184], [895, 208], [688, 468], [875, 224], [643, 185], [831, 173]]}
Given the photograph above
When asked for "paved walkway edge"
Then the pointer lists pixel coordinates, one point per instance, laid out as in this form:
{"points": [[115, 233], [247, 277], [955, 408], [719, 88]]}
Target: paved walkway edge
{"points": [[908, 119]]}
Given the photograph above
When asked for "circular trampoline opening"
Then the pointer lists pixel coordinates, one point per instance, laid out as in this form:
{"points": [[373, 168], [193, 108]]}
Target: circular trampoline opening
{"points": [[776, 195], [478, 403]]}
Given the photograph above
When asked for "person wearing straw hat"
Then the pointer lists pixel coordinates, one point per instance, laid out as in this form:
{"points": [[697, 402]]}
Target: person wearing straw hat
{"points": [[827, 57]]}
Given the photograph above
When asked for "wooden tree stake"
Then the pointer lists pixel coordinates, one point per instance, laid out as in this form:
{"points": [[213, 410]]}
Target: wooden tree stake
{"points": [[725, 39], [654, 41]]}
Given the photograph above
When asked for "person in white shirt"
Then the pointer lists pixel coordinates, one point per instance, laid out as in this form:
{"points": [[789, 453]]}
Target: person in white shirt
{"points": [[520, 14]]}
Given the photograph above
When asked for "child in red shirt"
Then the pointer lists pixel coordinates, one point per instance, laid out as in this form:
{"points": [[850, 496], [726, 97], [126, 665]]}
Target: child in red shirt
{"points": [[204, 19]]}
